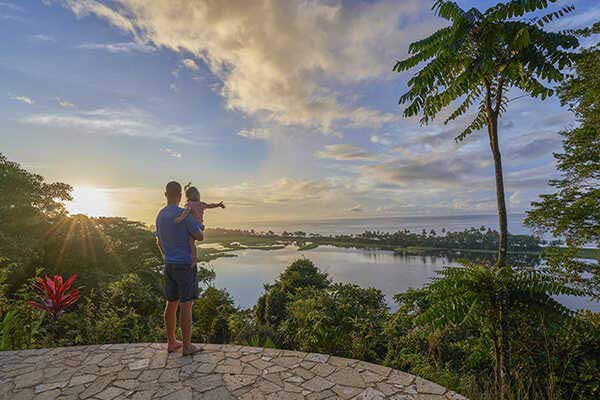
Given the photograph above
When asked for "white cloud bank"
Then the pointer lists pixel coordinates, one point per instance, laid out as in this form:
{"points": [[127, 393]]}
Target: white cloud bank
{"points": [[279, 60]]}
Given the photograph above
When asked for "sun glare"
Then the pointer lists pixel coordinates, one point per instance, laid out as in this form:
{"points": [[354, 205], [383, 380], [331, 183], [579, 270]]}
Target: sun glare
{"points": [[90, 201]]}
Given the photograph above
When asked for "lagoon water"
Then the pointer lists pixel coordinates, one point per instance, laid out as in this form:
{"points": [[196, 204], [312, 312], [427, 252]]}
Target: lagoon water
{"points": [[243, 276]]}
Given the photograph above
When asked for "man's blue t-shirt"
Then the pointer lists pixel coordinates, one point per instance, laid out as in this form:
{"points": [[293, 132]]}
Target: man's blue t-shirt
{"points": [[173, 236]]}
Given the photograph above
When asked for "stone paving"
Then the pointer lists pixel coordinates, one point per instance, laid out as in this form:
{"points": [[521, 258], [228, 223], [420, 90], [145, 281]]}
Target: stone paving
{"points": [[146, 371]]}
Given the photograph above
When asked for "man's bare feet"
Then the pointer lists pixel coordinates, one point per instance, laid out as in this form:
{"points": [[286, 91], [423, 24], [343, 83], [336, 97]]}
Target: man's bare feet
{"points": [[192, 349], [175, 347]]}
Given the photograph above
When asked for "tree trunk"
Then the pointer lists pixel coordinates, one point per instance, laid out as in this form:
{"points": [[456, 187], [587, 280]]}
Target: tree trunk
{"points": [[504, 348], [504, 356], [501, 204]]}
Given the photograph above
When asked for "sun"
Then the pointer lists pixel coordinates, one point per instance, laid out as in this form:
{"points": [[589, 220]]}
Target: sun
{"points": [[89, 200]]}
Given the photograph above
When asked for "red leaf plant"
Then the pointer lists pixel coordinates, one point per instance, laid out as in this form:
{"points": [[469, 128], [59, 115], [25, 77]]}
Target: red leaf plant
{"points": [[54, 295]]}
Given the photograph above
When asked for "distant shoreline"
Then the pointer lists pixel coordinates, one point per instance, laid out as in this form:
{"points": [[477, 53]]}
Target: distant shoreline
{"points": [[474, 242], [354, 225]]}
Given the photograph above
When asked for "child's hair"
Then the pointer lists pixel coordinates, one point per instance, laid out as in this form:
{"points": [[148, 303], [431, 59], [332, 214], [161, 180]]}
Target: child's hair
{"points": [[192, 194]]}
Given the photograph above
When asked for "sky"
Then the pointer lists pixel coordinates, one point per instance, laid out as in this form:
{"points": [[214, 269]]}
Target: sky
{"points": [[285, 110]]}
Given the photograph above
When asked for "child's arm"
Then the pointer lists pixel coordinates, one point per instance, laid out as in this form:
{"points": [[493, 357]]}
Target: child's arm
{"points": [[214, 205], [183, 215]]}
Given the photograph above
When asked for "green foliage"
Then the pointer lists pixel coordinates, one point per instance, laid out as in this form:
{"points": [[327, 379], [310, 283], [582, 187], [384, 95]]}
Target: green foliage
{"points": [[480, 56], [449, 331], [573, 210], [29, 207], [342, 319], [19, 327], [211, 313], [271, 307]]}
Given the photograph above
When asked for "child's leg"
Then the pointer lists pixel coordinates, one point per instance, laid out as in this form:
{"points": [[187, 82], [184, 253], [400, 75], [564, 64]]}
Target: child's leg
{"points": [[192, 244]]}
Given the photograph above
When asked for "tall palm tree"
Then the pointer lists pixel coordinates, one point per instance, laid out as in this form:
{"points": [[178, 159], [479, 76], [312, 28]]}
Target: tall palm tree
{"points": [[472, 64]]}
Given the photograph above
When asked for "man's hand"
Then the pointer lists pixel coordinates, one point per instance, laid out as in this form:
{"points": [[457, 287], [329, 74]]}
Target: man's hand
{"points": [[221, 205], [183, 215], [198, 235]]}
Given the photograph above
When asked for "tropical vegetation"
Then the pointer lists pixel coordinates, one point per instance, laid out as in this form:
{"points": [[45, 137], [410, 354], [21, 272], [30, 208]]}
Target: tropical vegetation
{"points": [[485, 329]]}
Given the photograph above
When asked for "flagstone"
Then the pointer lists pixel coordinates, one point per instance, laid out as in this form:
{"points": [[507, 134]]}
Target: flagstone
{"points": [[146, 371]]}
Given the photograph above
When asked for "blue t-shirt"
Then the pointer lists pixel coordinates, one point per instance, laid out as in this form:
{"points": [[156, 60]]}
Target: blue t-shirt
{"points": [[173, 236]]}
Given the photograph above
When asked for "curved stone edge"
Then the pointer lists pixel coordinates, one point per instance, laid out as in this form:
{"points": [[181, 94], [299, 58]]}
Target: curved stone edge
{"points": [[145, 371]]}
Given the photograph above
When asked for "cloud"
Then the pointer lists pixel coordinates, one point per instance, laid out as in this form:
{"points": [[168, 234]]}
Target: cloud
{"points": [[536, 148], [171, 152], [130, 122], [83, 8], [43, 38], [190, 64], [24, 99], [344, 152], [488, 203], [577, 20], [280, 191], [385, 140], [11, 6], [123, 47], [64, 103], [255, 134], [355, 209], [281, 61], [440, 170]]}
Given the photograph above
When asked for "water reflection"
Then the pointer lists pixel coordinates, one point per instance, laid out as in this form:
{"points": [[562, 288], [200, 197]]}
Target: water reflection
{"points": [[392, 273]]}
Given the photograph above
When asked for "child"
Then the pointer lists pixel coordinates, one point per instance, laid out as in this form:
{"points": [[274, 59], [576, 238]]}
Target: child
{"points": [[196, 207]]}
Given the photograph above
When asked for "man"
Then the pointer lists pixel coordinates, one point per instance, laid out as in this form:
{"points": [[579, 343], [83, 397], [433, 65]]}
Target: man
{"points": [[181, 276]]}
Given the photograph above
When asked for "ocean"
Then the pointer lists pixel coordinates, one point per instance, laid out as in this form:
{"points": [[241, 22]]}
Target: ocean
{"points": [[387, 224]]}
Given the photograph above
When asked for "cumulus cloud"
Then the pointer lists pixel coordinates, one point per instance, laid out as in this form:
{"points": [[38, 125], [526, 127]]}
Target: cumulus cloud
{"points": [[130, 122], [190, 64], [344, 152], [24, 99], [274, 58], [83, 8]]}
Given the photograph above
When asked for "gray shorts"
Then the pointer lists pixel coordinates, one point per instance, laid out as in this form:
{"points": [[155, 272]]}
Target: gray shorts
{"points": [[181, 282]]}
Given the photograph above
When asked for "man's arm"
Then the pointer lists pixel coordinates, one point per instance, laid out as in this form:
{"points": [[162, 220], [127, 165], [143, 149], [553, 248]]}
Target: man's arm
{"points": [[193, 228], [183, 215], [162, 253]]}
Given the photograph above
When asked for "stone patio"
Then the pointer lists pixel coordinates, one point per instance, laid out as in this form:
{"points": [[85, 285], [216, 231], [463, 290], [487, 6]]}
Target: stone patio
{"points": [[146, 371]]}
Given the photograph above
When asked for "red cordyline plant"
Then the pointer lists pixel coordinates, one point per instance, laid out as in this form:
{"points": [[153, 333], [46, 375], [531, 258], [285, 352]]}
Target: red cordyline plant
{"points": [[54, 295]]}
